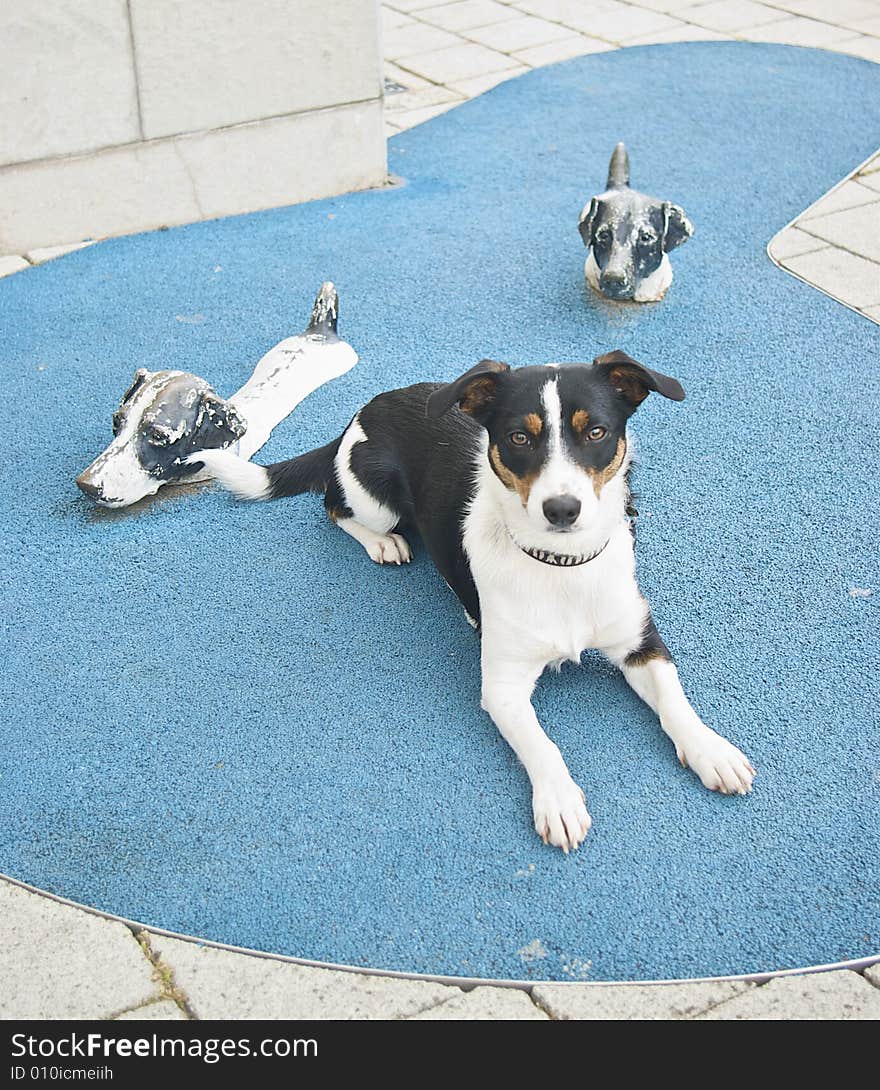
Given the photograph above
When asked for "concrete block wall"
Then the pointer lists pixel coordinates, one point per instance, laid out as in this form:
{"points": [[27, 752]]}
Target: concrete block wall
{"points": [[124, 115]]}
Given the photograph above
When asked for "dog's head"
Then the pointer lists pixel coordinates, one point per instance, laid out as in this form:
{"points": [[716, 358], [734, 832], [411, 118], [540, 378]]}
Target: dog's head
{"points": [[164, 416], [557, 441], [629, 233]]}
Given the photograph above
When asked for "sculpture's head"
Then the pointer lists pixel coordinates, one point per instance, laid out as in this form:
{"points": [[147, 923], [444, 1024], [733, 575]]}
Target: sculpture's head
{"points": [[163, 417], [629, 235]]}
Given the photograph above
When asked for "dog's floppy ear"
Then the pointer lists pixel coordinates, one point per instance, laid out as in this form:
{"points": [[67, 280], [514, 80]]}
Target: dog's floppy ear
{"points": [[217, 414], [588, 218], [472, 392], [677, 228], [634, 381]]}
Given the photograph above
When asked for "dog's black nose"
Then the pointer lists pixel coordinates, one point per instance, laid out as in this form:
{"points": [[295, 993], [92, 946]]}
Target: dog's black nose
{"points": [[562, 510]]}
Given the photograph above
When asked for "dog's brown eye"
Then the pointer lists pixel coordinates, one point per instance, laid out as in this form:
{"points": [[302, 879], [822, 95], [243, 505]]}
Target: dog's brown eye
{"points": [[518, 438], [647, 237], [597, 433]]}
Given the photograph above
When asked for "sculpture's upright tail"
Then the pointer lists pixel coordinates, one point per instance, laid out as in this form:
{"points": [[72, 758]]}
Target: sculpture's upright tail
{"points": [[618, 168], [325, 313]]}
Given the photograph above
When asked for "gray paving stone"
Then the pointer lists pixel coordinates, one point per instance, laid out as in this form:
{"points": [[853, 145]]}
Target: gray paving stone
{"points": [[637, 1002], [831, 11], [476, 86], [874, 314], [629, 22], [466, 14], [851, 194], [838, 995], [166, 1010], [872, 975], [791, 243], [464, 61], [685, 33], [870, 181], [60, 962], [430, 95], [517, 34], [854, 229], [411, 5], [11, 264], [732, 14], [575, 45], [672, 7], [485, 1004], [224, 984], [843, 275], [416, 38], [796, 31], [863, 46]]}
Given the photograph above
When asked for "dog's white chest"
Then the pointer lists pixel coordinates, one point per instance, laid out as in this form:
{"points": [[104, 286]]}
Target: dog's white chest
{"points": [[552, 615]]}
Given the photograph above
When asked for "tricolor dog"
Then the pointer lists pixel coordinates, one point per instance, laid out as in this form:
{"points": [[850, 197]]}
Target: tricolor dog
{"points": [[517, 482]]}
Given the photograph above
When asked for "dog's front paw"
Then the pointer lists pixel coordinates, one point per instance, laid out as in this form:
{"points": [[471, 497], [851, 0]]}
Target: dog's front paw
{"points": [[718, 763], [561, 817]]}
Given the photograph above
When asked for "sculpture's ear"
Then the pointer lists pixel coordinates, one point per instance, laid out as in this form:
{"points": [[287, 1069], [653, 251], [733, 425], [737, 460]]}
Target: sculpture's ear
{"points": [[634, 381], [473, 392], [677, 228], [587, 221], [140, 377], [217, 414]]}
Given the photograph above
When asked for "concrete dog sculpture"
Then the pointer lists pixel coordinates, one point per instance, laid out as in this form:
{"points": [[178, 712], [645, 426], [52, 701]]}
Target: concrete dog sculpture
{"points": [[629, 236], [166, 415], [517, 482]]}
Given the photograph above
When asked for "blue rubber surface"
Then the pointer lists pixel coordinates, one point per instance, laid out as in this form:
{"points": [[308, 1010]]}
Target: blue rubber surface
{"points": [[224, 720]]}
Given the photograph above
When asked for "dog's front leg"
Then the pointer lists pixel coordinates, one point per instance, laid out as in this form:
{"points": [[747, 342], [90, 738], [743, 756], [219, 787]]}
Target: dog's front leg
{"points": [[650, 671], [561, 817]]}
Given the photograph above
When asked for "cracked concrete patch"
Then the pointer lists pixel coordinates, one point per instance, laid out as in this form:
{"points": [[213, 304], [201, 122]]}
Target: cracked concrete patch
{"points": [[838, 995], [484, 1004], [165, 1010], [224, 984], [58, 962], [617, 1002]]}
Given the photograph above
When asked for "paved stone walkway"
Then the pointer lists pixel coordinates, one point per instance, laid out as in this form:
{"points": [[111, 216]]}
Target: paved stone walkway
{"points": [[835, 244], [57, 961]]}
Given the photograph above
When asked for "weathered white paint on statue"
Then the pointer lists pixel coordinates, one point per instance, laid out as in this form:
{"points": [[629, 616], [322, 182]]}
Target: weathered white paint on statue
{"points": [[629, 235], [166, 415]]}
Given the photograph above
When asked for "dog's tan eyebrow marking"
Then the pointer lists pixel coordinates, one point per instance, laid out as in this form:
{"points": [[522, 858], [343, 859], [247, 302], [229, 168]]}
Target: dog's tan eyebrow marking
{"points": [[579, 420], [521, 485], [601, 477], [534, 424]]}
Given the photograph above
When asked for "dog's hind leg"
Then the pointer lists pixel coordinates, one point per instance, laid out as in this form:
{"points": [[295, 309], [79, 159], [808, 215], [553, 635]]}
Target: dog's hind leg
{"points": [[357, 510]]}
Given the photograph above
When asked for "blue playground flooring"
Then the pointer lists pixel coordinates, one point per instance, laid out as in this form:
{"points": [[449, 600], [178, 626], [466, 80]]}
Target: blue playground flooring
{"points": [[221, 719]]}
